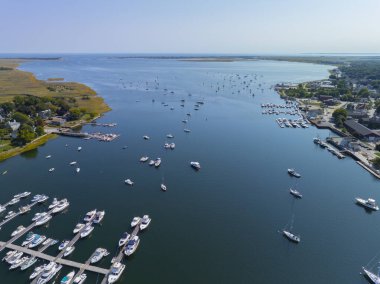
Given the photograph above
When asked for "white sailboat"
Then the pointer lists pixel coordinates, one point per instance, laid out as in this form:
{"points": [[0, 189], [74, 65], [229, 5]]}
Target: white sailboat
{"points": [[289, 234]]}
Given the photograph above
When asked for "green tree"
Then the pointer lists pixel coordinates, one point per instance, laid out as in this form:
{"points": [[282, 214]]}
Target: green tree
{"points": [[22, 118], [40, 130], [340, 115], [25, 135]]}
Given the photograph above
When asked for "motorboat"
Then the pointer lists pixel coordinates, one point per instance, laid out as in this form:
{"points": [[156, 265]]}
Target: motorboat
{"points": [[49, 272], [295, 193], [18, 262], [145, 221], [67, 279], [293, 173], [29, 238], [36, 198], [187, 130], [157, 163], [54, 203], [129, 181], [195, 165], [47, 241], [80, 279], [116, 270], [292, 237], [2, 208], [79, 149], [163, 187], [78, 227], [18, 230], [124, 239], [14, 201], [167, 146], [99, 216], [73, 163], [43, 220], [132, 246], [43, 198], [63, 244], [10, 214], [144, 159], [151, 162], [39, 215], [28, 263], [98, 255], [77, 169], [69, 250], [62, 205], [371, 276], [146, 137], [9, 254], [22, 195], [172, 146], [37, 271], [90, 216], [51, 169], [86, 231], [169, 136], [135, 221], [12, 259], [24, 209], [369, 203], [38, 239]]}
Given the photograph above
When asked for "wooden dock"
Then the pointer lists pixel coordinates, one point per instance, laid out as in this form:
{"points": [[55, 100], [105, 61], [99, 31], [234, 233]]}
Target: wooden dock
{"points": [[17, 214], [86, 264]]}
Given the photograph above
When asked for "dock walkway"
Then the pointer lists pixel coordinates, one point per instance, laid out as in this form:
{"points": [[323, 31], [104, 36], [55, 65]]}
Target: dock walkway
{"points": [[17, 214]]}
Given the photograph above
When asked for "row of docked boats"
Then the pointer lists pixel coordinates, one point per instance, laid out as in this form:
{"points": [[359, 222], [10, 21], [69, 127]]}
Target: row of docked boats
{"points": [[295, 123], [324, 145]]}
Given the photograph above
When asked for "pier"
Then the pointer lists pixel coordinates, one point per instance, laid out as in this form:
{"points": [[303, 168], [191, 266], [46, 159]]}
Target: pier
{"points": [[17, 214], [84, 267]]}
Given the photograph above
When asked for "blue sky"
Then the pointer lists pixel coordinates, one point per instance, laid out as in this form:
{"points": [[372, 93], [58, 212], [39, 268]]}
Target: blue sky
{"points": [[190, 26]]}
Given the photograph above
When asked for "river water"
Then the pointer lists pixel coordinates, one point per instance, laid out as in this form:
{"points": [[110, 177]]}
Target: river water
{"points": [[217, 225]]}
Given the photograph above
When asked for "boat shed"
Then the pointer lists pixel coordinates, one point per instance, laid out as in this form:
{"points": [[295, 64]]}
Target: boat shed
{"points": [[360, 131]]}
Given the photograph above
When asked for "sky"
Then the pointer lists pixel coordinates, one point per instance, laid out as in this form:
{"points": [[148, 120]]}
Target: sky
{"points": [[190, 26]]}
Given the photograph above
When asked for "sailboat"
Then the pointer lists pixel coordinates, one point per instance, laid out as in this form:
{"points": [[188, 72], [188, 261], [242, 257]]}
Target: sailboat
{"points": [[290, 235]]}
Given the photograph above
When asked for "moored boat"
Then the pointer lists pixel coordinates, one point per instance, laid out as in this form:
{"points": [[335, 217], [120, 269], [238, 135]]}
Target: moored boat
{"points": [[116, 271], [369, 203], [145, 221]]}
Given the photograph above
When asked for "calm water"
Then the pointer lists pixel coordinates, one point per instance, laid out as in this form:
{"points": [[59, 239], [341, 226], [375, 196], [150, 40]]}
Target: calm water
{"points": [[218, 225]]}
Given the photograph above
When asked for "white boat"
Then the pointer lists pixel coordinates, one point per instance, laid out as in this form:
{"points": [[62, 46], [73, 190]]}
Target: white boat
{"points": [[2, 208], [293, 172], [9, 254], [10, 214], [167, 146], [43, 198], [28, 263], [48, 157], [67, 279], [68, 251], [99, 216], [115, 273], [172, 146], [295, 193], [18, 262], [371, 276], [47, 241], [292, 237], [14, 201], [132, 246], [124, 239], [157, 163], [24, 209], [37, 271], [18, 230], [77, 169], [146, 137], [51, 169], [90, 216], [62, 205], [145, 221], [73, 163], [135, 221], [151, 162], [54, 203], [38, 239], [14, 257], [144, 159], [49, 272], [98, 255], [195, 165], [36, 197], [43, 220], [369, 203], [169, 136], [163, 187], [79, 148], [78, 227], [80, 279], [63, 244], [39, 215], [187, 130], [22, 195], [29, 238], [86, 231], [129, 181]]}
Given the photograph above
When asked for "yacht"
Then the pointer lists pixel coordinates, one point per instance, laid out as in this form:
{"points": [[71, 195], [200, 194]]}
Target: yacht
{"points": [[62, 205], [90, 216], [292, 237], [24, 209], [163, 187], [14, 201], [116, 271], [129, 182], [167, 146], [10, 214], [187, 130], [99, 217], [98, 255], [144, 159], [22, 195], [54, 203], [146, 137], [68, 251], [195, 165], [2, 208], [124, 239], [145, 221], [78, 227], [43, 220], [80, 279], [18, 262], [28, 263], [295, 193], [49, 272], [169, 136], [293, 172], [86, 231], [51, 169], [9, 254], [39, 215], [369, 203], [36, 198], [73, 163], [37, 271], [18, 230], [63, 244], [12, 259], [29, 238], [132, 246], [151, 162], [172, 146], [38, 239], [157, 163], [43, 198], [371, 276], [135, 221], [47, 241], [67, 279]]}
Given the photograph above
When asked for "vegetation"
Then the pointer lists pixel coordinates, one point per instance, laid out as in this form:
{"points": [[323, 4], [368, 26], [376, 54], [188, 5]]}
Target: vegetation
{"points": [[340, 115]]}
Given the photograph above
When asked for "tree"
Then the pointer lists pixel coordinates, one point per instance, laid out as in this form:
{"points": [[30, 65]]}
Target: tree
{"points": [[25, 135], [40, 130], [22, 118], [74, 114], [340, 115]]}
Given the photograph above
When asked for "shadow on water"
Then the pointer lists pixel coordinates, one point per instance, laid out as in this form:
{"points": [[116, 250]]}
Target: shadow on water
{"points": [[30, 154]]}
